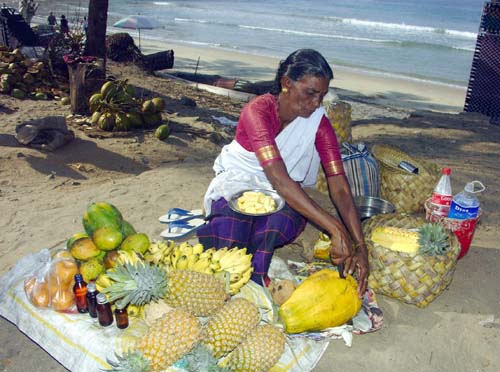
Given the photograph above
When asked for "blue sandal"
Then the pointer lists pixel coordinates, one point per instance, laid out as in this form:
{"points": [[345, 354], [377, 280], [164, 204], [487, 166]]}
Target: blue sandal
{"points": [[178, 214], [181, 229]]}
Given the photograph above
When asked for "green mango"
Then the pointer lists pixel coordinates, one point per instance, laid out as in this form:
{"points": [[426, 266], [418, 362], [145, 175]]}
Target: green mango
{"points": [[107, 238], [138, 242], [162, 132]]}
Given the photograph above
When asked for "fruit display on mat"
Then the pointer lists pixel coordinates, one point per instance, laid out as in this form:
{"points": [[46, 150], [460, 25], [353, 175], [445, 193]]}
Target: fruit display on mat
{"points": [[431, 239], [115, 107], [167, 340], [24, 77], [260, 350], [322, 300], [235, 261], [140, 283], [229, 326]]}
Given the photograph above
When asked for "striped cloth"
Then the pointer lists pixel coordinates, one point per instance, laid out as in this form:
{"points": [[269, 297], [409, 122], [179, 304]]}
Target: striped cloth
{"points": [[260, 235]]}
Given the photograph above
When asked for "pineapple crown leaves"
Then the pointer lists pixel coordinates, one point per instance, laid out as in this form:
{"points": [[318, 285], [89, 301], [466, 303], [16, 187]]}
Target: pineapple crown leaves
{"points": [[199, 359], [136, 283], [129, 362], [432, 239]]}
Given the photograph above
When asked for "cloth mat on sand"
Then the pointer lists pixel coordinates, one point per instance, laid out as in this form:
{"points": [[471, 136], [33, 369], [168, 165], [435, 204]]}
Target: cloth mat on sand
{"points": [[81, 345]]}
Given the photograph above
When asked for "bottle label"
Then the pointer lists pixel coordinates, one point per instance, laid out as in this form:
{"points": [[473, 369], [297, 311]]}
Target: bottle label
{"points": [[462, 213], [440, 199]]}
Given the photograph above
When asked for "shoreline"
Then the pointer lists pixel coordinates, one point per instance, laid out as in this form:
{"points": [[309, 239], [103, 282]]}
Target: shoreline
{"points": [[349, 83]]}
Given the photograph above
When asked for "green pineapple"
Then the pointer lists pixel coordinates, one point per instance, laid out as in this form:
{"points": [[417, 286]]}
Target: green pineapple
{"points": [[140, 283], [433, 239], [130, 362]]}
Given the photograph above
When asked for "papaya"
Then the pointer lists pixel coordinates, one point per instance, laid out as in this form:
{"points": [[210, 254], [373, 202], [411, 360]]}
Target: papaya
{"points": [[138, 242], [122, 122], [321, 301], [94, 119], [127, 229], [107, 238], [101, 214], [148, 107], [136, 119]]}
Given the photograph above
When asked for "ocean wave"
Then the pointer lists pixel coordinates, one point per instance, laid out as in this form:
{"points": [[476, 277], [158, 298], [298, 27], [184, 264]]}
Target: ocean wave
{"points": [[404, 27], [161, 3]]}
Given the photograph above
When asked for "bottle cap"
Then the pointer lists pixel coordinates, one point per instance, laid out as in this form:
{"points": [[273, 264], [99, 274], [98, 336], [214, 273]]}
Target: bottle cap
{"points": [[91, 287], [78, 278], [446, 171], [101, 298]]}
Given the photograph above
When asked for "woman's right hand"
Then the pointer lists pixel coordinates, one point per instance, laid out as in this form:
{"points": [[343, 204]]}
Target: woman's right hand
{"points": [[341, 248]]}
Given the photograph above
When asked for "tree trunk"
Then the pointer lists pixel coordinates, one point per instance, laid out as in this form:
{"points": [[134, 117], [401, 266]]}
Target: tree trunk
{"points": [[96, 33]]}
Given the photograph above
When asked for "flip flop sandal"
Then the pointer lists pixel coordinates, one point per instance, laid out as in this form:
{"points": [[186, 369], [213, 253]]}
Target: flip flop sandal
{"points": [[181, 229], [178, 214]]}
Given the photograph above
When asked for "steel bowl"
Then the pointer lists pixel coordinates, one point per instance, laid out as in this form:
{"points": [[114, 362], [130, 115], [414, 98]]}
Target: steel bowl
{"points": [[369, 206], [279, 202]]}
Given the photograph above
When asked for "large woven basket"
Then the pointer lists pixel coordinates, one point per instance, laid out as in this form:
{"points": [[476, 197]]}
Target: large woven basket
{"points": [[407, 191], [339, 114], [412, 278]]}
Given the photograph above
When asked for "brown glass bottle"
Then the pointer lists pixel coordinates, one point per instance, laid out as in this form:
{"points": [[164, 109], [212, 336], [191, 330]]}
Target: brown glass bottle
{"points": [[92, 299], [80, 291], [104, 314], [121, 317]]}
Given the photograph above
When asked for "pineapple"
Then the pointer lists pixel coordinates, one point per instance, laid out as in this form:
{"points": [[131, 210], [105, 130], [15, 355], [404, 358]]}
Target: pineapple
{"points": [[167, 340], [199, 293], [258, 352], [229, 326], [130, 362], [433, 239], [140, 283]]}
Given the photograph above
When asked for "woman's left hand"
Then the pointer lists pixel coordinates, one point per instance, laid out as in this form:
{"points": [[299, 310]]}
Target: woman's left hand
{"points": [[359, 263]]}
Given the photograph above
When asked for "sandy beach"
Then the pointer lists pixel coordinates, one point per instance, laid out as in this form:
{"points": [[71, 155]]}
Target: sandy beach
{"points": [[43, 196]]}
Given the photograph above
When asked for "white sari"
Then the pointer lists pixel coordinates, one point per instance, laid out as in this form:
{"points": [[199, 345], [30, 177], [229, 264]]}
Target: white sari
{"points": [[237, 169]]}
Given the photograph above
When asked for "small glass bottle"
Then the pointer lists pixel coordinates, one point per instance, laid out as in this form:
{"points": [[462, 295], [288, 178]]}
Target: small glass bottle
{"points": [[121, 317], [103, 308], [80, 291], [92, 299]]}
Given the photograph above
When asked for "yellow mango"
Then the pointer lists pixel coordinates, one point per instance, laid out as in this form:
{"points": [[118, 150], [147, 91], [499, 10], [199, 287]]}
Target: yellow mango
{"points": [[321, 301]]}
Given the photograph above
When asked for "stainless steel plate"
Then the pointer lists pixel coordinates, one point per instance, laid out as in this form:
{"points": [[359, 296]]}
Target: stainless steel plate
{"points": [[369, 206], [280, 202]]}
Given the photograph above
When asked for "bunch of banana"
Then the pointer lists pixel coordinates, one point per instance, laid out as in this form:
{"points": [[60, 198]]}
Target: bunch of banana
{"points": [[236, 262]]}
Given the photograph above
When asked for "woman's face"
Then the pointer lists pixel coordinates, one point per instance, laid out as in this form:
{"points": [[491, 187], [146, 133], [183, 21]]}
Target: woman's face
{"points": [[306, 95]]}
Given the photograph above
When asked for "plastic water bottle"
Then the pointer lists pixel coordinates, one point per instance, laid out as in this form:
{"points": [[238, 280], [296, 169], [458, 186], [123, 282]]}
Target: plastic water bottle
{"points": [[442, 195], [465, 205]]}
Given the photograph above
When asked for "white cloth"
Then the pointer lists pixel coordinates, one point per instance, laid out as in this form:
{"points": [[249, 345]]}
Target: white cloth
{"points": [[237, 169]]}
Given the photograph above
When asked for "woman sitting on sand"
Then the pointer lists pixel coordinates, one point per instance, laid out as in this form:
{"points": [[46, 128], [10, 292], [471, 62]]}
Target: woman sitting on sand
{"points": [[281, 139]]}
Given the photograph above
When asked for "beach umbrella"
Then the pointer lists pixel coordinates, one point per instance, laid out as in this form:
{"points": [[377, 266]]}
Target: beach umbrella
{"points": [[137, 22]]}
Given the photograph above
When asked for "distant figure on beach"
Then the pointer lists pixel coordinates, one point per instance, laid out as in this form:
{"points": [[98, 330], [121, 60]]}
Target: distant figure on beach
{"points": [[282, 138], [51, 19], [63, 24], [85, 25]]}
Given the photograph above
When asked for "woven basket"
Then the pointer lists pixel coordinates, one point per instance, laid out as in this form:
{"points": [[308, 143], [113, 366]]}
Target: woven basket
{"points": [[339, 114], [412, 278], [407, 191]]}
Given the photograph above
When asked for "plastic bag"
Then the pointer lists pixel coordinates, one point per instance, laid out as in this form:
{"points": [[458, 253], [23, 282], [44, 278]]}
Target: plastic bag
{"points": [[52, 286]]}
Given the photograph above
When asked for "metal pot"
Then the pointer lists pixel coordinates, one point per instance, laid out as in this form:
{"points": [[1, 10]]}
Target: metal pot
{"points": [[369, 206]]}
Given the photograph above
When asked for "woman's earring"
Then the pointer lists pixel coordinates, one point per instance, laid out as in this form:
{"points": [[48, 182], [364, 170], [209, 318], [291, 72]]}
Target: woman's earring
{"points": [[284, 90]]}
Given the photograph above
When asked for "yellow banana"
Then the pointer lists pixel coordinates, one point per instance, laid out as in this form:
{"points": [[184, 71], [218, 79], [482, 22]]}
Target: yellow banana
{"points": [[192, 259], [219, 253], [208, 253], [201, 265], [198, 248], [186, 249], [181, 263], [136, 311], [103, 281], [236, 286], [231, 255]]}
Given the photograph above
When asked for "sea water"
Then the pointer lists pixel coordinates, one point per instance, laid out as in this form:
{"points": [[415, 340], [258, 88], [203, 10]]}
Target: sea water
{"points": [[429, 40]]}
